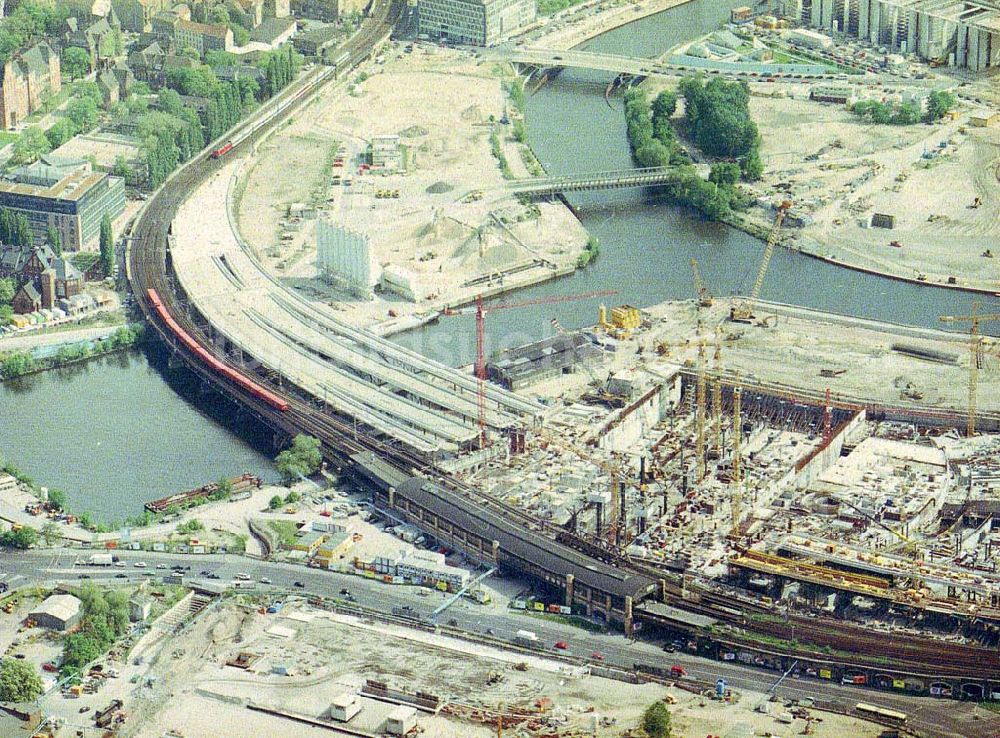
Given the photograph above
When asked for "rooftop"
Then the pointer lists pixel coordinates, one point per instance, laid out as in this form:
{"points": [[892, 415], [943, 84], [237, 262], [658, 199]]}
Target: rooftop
{"points": [[63, 607]]}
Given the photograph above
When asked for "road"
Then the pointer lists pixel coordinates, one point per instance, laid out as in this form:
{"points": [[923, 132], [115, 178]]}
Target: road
{"points": [[49, 566]]}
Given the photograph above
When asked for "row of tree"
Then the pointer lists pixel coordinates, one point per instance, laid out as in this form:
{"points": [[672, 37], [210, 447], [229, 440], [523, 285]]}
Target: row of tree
{"points": [[20, 363], [8, 289], [650, 132], [177, 132], [14, 228], [939, 103]]}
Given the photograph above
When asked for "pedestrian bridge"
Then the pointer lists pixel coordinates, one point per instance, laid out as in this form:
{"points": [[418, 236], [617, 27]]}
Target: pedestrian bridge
{"points": [[546, 186]]}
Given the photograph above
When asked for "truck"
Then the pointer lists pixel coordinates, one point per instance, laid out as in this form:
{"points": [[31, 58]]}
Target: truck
{"points": [[101, 559], [526, 638]]}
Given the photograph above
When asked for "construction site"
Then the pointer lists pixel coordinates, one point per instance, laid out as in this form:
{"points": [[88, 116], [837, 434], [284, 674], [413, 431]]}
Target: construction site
{"points": [[306, 668]]}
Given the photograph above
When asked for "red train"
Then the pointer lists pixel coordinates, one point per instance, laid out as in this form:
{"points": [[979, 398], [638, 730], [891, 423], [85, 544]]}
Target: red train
{"points": [[222, 150], [214, 364]]}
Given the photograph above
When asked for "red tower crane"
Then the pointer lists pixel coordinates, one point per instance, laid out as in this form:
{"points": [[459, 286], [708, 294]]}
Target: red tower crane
{"points": [[480, 311]]}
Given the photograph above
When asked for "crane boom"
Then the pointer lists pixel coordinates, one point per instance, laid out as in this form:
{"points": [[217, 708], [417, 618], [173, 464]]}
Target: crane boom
{"points": [[743, 312], [975, 356], [704, 296]]}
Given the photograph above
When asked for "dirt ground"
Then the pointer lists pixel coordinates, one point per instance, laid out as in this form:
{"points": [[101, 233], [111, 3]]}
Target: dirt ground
{"points": [[325, 657], [445, 226], [866, 169]]}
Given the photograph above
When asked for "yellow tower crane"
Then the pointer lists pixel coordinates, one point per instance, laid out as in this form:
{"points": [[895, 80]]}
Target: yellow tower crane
{"points": [[699, 441], [737, 429], [742, 312], [717, 392], [704, 296], [975, 355]]}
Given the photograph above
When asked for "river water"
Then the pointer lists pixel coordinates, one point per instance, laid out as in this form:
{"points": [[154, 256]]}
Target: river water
{"points": [[119, 431]]}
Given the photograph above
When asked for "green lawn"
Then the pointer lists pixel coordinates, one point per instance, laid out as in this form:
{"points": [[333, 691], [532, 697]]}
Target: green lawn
{"points": [[284, 531], [7, 137]]}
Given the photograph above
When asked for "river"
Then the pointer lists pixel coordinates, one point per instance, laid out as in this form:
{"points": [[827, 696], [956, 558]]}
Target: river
{"points": [[121, 430]]}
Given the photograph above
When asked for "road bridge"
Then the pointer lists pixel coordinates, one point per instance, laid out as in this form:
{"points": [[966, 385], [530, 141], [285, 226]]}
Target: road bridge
{"points": [[645, 67], [611, 180]]}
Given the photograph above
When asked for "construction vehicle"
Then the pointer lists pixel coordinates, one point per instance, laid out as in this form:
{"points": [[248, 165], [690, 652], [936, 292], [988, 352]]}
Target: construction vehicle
{"points": [[975, 356], [832, 372], [704, 296], [896, 244], [976, 203], [742, 312]]}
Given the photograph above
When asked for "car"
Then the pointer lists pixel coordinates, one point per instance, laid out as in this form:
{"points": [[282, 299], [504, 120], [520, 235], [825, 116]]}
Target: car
{"points": [[84, 576], [453, 623], [121, 575], [345, 591], [139, 564], [300, 585], [84, 709], [49, 667], [597, 656], [265, 580], [204, 573], [213, 575], [161, 566], [242, 577], [562, 645], [668, 647], [120, 564], [677, 671]]}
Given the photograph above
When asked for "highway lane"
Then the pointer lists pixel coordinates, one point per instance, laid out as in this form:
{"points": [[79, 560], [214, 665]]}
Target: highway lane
{"points": [[41, 566]]}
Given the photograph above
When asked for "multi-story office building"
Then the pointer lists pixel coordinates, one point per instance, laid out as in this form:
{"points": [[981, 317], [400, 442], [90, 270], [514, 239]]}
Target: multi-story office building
{"points": [[478, 22]]}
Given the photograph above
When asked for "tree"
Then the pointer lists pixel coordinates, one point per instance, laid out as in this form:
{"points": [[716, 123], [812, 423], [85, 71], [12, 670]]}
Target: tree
{"points": [[107, 246], [83, 111], [169, 101], [7, 291], [60, 132], [22, 538], [19, 682], [53, 239], [724, 173], [30, 145], [122, 168], [656, 721], [906, 114], [939, 103], [665, 104], [75, 62], [302, 458], [51, 532], [752, 166], [6, 314], [57, 499], [275, 503]]}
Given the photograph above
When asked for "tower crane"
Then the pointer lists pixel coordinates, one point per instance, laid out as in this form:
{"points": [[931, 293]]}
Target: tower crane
{"points": [[742, 312], [975, 355], [704, 296], [480, 310]]}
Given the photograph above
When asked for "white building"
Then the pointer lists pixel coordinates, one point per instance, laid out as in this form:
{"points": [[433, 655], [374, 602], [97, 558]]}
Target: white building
{"points": [[344, 707], [809, 39], [344, 258], [401, 720]]}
